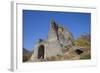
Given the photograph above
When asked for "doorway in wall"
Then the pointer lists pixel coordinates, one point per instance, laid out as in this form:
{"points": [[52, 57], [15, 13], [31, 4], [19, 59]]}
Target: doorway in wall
{"points": [[41, 52]]}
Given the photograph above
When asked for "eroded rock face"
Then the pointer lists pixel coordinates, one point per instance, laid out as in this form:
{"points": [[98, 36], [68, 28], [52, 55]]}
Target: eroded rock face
{"points": [[58, 38]]}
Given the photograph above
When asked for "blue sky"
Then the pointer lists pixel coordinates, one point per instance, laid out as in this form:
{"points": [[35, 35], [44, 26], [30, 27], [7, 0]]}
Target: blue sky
{"points": [[36, 24]]}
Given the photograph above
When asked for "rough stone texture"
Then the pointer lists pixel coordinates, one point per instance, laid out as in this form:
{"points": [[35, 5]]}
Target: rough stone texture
{"points": [[58, 38]]}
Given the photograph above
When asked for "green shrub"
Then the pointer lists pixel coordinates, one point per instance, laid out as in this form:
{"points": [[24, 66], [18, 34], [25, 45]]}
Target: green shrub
{"points": [[87, 56]]}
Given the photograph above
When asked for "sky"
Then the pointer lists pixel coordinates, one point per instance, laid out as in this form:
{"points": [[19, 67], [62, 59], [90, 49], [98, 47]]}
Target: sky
{"points": [[36, 24]]}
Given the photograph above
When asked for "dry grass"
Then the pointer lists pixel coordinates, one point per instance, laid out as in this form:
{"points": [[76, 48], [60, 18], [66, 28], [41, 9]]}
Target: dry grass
{"points": [[70, 55]]}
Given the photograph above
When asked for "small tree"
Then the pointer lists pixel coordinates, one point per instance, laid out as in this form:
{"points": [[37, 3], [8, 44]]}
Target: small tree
{"points": [[83, 41]]}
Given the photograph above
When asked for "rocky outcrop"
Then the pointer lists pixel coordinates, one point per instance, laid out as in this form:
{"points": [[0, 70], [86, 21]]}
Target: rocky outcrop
{"points": [[57, 46]]}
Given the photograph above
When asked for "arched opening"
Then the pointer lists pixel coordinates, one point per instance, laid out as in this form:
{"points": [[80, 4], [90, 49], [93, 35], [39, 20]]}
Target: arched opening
{"points": [[41, 52]]}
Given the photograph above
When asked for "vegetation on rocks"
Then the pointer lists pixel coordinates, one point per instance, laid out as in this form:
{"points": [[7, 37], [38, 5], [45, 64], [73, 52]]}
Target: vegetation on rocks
{"points": [[26, 55]]}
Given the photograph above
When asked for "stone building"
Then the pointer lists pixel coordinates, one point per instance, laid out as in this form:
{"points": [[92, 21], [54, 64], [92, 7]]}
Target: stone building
{"points": [[58, 38]]}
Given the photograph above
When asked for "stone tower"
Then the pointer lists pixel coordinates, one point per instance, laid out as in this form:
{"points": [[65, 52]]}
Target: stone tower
{"points": [[54, 48]]}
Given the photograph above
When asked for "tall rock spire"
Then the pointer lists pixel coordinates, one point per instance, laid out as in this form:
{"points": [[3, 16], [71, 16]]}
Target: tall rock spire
{"points": [[54, 26]]}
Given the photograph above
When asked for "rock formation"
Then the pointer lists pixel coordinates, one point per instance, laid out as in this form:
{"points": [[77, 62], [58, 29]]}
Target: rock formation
{"points": [[58, 42]]}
